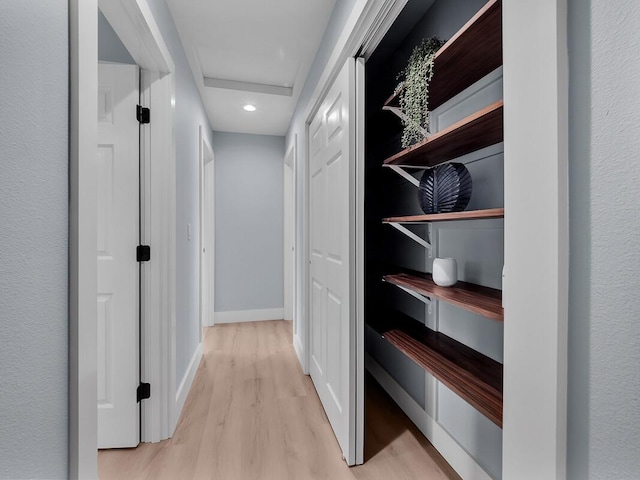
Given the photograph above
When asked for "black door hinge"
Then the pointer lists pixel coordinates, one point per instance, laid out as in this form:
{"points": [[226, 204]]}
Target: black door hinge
{"points": [[143, 392], [143, 253], [143, 114]]}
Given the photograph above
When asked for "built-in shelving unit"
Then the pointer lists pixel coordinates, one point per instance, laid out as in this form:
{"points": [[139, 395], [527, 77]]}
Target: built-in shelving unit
{"points": [[447, 217], [474, 377], [479, 130], [472, 53], [484, 301]]}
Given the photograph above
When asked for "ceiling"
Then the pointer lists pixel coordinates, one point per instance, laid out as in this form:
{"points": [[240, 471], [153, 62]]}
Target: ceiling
{"points": [[251, 52]]}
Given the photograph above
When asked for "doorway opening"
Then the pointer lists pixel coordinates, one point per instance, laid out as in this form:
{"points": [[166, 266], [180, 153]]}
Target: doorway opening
{"points": [[207, 233], [290, 233]]}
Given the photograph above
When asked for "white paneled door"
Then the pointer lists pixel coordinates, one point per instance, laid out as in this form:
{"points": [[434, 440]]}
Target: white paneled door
{"points": [[118, 234], [335, 366]]}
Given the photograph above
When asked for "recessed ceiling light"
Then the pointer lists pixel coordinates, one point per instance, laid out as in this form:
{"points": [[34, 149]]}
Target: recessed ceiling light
{"points": [[249, 108]]}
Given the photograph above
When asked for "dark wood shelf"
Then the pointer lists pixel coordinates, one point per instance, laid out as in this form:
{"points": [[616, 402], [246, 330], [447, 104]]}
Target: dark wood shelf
{"points": [[482, 129], [447, 217], [474, 377], [473, 52], [484, 301]]}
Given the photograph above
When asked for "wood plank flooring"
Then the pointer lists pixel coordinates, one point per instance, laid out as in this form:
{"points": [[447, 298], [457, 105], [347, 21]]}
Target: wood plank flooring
{"points": [[252, 415]]}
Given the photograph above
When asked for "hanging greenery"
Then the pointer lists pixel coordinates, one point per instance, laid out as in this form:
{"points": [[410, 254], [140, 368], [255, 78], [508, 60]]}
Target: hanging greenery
{"points": [[414, 90]]}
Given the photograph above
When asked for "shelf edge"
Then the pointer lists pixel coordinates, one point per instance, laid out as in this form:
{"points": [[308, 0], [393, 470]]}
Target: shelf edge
{"points": [[489, 213]]}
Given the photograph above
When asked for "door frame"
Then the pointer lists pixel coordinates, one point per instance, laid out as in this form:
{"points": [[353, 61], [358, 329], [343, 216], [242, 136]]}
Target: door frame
{"points": [[368, 23], [290, 162], [207, 155], [136, 27], [536, 307]]}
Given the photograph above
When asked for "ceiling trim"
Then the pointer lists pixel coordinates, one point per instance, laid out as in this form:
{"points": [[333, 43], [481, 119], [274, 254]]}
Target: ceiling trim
{"points": [[248, 86]]}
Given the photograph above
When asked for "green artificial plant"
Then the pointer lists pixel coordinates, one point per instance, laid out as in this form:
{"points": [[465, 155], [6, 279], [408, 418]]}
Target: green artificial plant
{"points": [[414, 90]]}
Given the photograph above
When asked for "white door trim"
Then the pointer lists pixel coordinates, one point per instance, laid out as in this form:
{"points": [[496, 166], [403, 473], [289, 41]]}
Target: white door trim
{"points": [[135, 25], [299, 329], [83, 269], [206, 156], [289, 228], [358, 257], [536, 214]]}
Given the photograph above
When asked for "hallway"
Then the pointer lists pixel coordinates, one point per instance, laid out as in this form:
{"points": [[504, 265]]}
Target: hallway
{"points": [[252, 415]]}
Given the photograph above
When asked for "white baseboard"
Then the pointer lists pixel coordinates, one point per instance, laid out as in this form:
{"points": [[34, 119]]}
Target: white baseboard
{"points": [[185, 386], [248, 316], [299, 348], [461, 461]]}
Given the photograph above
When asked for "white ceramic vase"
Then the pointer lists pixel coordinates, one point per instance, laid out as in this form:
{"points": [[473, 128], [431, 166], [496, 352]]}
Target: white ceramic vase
{"points": [[445, 271]]}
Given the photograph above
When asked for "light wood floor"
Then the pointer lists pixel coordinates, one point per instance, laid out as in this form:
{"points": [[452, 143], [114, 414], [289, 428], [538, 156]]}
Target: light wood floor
{"points": [[252, 415]]}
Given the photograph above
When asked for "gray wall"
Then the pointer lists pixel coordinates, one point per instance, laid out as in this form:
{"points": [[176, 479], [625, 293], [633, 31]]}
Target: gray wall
{"points": [[110, 48], [604, 331], [190, 114], [34, 157], [249, 211]]}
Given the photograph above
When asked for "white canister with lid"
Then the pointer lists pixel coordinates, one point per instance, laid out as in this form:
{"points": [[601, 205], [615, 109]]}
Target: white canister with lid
{"points": [[445, 272]]}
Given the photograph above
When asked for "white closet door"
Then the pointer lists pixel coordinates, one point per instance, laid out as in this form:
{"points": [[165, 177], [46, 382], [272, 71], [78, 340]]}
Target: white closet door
{"points": [[332, 160], [118, 234]]}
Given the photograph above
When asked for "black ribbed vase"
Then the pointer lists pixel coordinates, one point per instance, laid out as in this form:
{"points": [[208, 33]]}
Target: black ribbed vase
{"points": [[445, 188]]}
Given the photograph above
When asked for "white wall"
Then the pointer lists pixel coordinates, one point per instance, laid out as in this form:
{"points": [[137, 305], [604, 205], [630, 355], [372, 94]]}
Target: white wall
{"points": [[249, 195], [190, 114], [604, 327], [34, 316]]}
